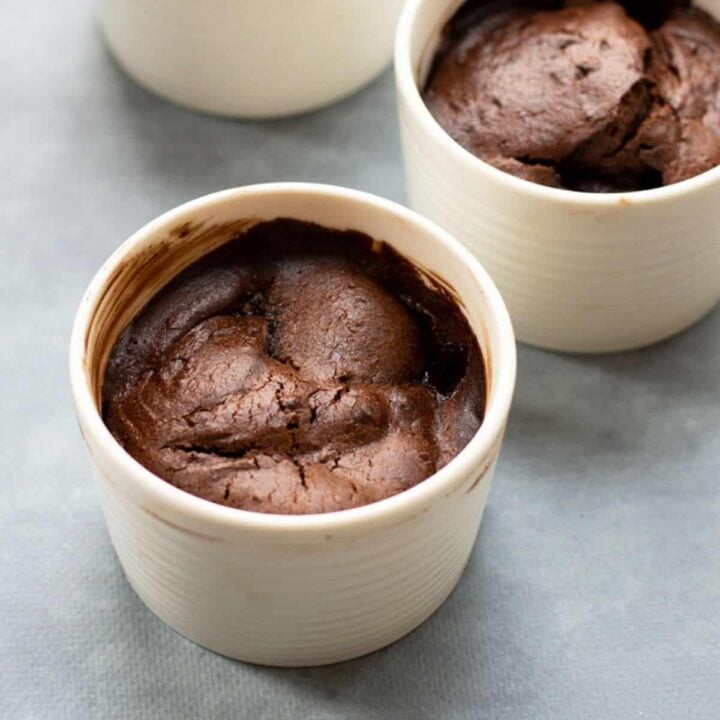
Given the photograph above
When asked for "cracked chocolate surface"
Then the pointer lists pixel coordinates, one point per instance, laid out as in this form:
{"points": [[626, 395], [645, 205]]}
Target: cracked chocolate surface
{"points": [[589, 96], [296, 370]]}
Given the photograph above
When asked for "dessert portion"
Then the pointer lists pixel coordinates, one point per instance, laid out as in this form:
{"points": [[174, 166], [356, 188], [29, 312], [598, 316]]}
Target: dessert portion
{"points": [[590, 96], [296, 370]]}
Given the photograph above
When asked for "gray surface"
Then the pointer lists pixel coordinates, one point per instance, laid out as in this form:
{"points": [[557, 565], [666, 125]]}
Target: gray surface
{"points": [[594, 591]]}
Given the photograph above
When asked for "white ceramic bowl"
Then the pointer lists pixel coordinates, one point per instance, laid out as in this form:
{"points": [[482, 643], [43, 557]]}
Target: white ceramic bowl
{"points": [[251, 58], [579, 272], [288, 590]]}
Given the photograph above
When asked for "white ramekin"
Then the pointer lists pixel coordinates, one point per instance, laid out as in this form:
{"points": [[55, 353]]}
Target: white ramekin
{"points": [[288, 590], [251, 58], [579, 272]]}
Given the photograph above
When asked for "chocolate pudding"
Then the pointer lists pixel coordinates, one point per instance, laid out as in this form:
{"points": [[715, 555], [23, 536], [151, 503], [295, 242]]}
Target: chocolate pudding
{"points": [[590, 96], [296, 370]]}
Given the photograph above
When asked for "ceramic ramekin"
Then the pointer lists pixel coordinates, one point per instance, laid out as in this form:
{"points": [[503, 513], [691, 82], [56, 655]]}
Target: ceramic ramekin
{"points": [[251, 58], [579, 272], [272, 589]]}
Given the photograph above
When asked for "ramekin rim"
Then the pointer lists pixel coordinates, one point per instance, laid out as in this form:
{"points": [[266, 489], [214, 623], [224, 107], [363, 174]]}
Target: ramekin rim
{"points": [[504, 365], [407, 87]]}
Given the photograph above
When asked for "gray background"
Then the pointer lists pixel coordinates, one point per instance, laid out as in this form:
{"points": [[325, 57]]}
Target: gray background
{"points": [[594, 590]]}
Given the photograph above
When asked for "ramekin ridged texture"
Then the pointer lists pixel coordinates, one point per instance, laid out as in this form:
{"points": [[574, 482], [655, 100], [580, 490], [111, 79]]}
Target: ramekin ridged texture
{"points": [[289, 590], [580, 272]]}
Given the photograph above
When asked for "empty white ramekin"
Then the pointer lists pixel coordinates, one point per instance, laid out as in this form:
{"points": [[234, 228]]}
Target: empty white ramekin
{"points": [[579, 272], [288, 590], [251, 58]]}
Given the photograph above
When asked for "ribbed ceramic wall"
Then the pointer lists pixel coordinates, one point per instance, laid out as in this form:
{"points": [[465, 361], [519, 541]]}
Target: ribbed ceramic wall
{"points": [[574, 278], [295, 601], [578, 273], [289, 590]]}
